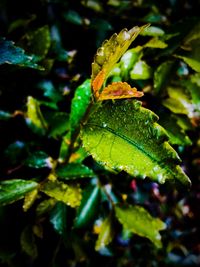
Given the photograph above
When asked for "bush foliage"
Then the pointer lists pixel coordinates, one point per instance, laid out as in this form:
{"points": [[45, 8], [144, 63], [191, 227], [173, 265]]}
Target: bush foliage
{"points": [[99, 139]]}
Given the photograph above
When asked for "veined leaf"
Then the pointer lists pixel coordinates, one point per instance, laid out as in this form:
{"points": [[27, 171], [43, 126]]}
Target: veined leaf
{"points": [[109, 53], [12, 190], [88, 207], [139, 221], [124, 136], [105, 235], [69, 194]]}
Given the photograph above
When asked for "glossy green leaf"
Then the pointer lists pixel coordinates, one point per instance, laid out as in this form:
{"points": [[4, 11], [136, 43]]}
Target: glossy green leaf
{"points": [[88, 208], [69, 194], [79, 104], [141, 71], [28, 242], [137, 220], [39, 159], [73, 171], [58, 218], [11, 54], [125, 136], [49, 91], [161, 76], [106, 234], [12, 190], [193, 63], [34, 117]]}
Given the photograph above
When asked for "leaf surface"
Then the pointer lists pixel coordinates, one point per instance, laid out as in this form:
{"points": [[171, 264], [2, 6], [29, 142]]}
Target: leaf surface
{"points": [[12, 190], [73, 171], [69, 194], [58, 218], [124, 136], [137, 220], [88, 207]]}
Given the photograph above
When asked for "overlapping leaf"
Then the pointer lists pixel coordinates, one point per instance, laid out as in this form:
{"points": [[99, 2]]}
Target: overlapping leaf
{"points": [[125, 136]]}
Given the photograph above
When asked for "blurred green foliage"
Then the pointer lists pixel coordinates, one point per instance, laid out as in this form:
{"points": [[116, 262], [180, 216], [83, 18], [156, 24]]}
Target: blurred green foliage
{"points": [[70, 210]]}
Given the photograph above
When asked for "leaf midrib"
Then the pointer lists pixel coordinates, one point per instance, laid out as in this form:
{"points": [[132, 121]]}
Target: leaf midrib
{"points": [[134, 144]]}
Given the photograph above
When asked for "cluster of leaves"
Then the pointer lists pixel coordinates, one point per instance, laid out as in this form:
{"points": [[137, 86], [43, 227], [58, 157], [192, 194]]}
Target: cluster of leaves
{"points": [[82, 208]]}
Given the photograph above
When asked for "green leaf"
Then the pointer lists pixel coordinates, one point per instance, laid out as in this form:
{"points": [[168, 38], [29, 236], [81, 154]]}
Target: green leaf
{"points": [[141, 71], [79, 104], [73, 171], [128, 60], [35, 119], [28, 244], [106, 234], [152, 31], [193, 63], [162, 75], [39, 159], [16, 152], [12, 190], [29, 199], [156, 43], [5, 115], [45, 206], [58, 218], [177, 135], [58, 124], [69, 194], [125, 136], [49, 90], [11, 54], [38, 42], [179, 101], [88, 208], [137, 220]]}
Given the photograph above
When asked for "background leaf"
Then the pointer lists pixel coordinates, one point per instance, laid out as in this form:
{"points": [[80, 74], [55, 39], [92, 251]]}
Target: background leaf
{"points": [[137, 220]]}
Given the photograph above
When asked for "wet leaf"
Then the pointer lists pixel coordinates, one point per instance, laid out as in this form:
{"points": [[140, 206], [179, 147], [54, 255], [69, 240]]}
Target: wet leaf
{"points": [[124, 136], [58, 218], [13, 190], [109, 54], [11, 54], [88, 208], [128, 60], [34, 118], [73, 171], [79, 104], [68, 194], [137, 220], [119, 90], [152, 31], [106, 234]]}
